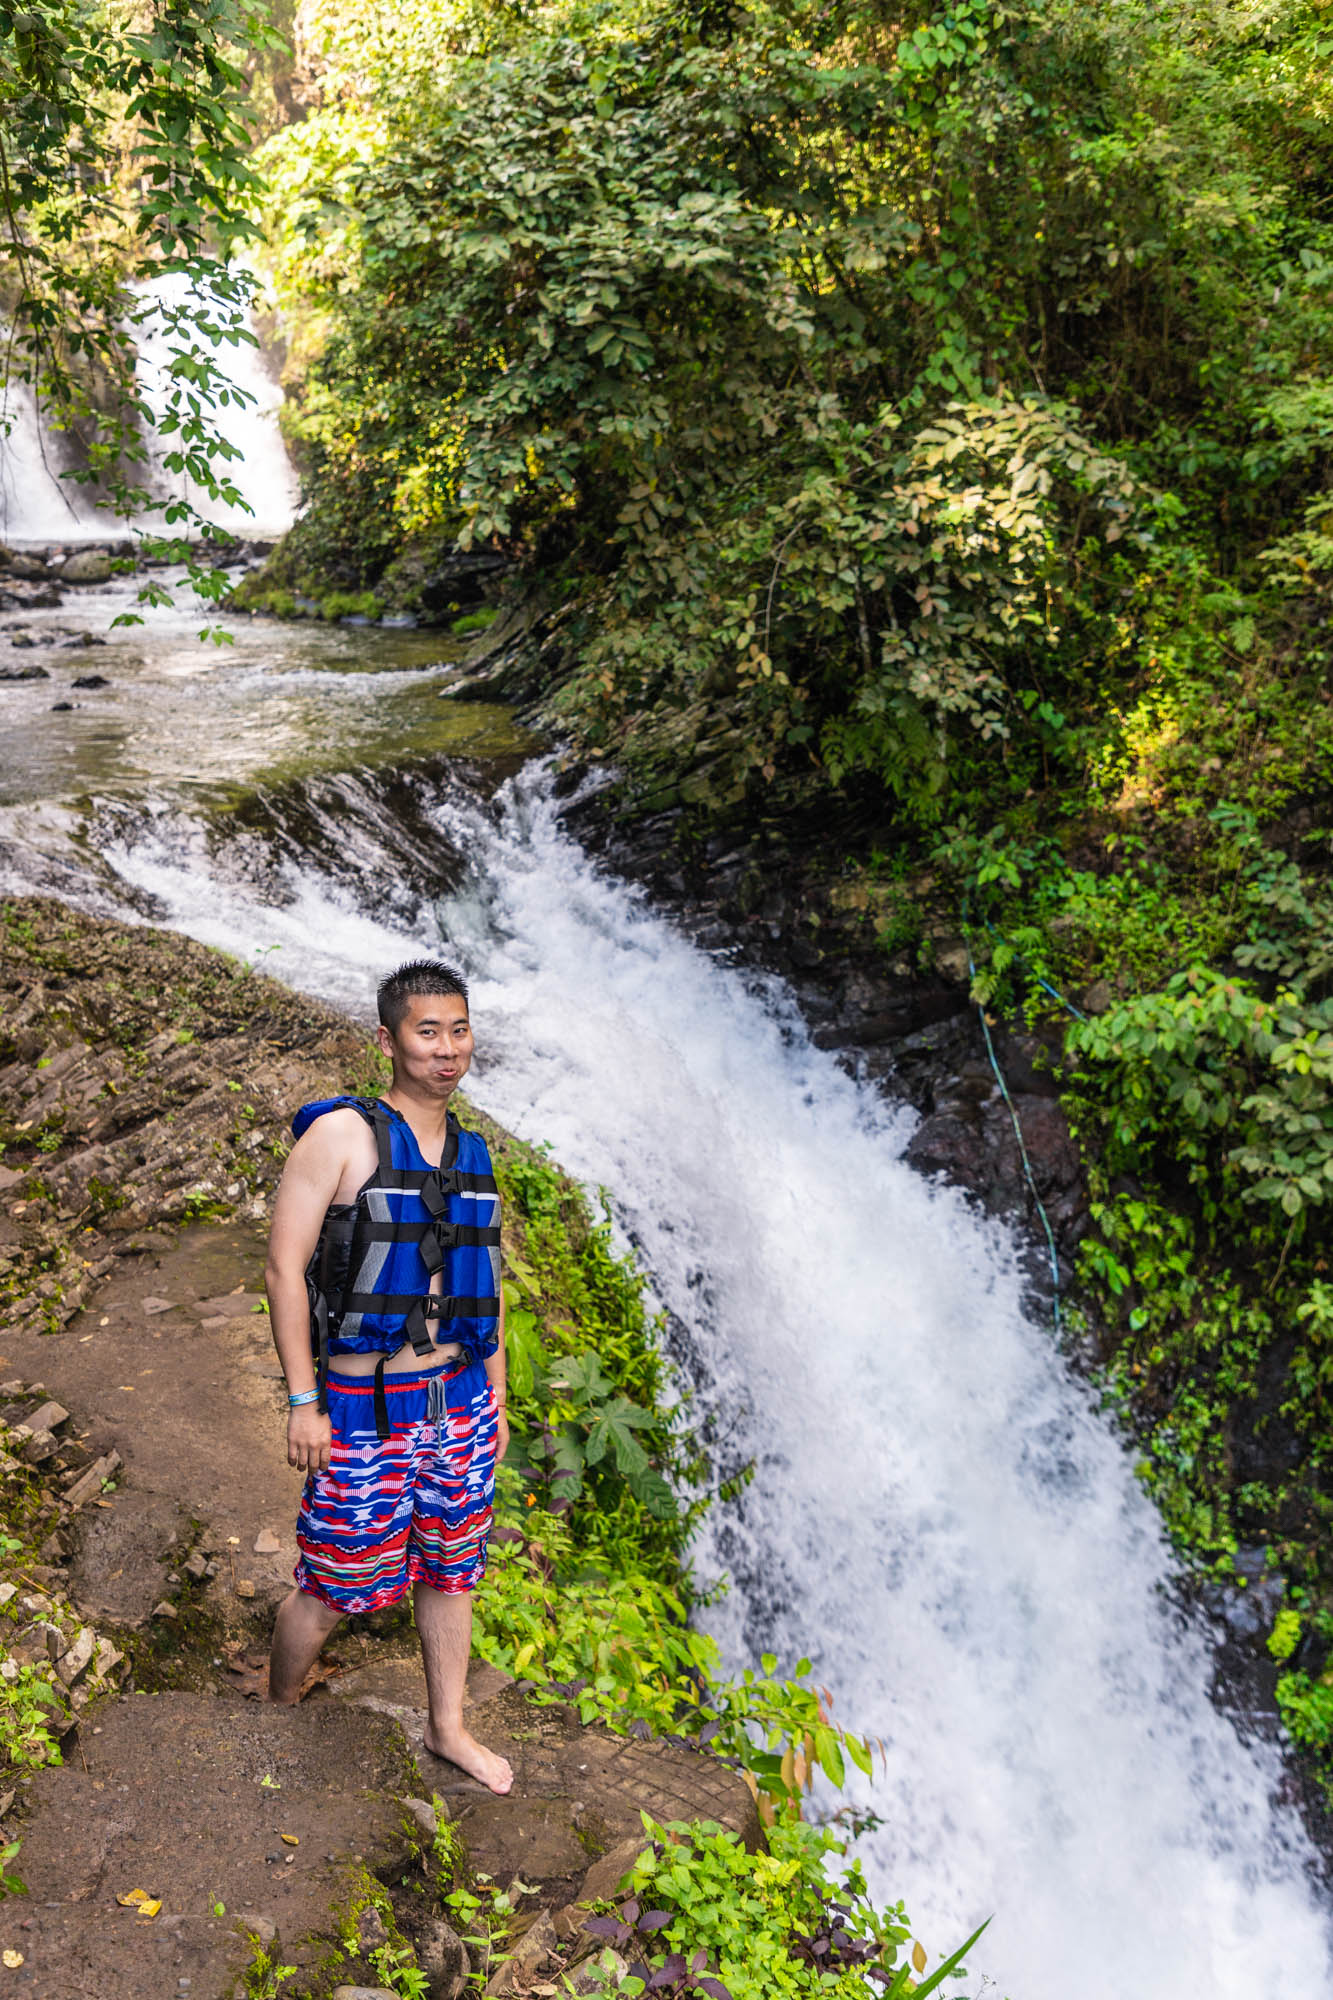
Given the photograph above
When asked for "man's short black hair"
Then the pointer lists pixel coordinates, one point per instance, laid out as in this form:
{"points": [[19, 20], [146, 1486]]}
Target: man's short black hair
{"points": [[419, 976]]}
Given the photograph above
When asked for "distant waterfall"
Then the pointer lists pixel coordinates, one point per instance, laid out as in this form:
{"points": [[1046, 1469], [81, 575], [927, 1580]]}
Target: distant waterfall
{"points": [[38, 505], [263, 472]]}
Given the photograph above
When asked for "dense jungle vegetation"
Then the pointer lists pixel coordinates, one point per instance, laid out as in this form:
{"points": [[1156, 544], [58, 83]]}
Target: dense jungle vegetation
{"points": [[915, 422]]}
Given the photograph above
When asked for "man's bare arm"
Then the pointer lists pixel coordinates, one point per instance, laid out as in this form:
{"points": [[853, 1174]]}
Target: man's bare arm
{"points": [[309, 1184]]}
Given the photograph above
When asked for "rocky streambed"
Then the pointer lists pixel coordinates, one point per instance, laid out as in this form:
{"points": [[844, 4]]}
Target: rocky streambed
{"points": [[193, 1838]]}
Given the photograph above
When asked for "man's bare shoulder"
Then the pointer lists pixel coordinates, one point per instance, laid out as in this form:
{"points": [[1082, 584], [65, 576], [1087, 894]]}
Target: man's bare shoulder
{"points": [[337, 1135]]}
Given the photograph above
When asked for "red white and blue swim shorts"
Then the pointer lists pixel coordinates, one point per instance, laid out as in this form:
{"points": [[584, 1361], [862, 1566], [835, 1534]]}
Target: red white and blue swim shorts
{"points": [[412, 1508]]}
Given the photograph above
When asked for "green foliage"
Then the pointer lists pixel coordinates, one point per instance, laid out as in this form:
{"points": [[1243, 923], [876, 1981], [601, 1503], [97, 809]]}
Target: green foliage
{"points": [[586, 1378], [846, 446], [1307, 1710], [11, 1884], [33, 1712], [1238, 1089], [704, 1917], [349, 604], [1286, 1633], [584, 1423], [125, 157], [614, 1640]]}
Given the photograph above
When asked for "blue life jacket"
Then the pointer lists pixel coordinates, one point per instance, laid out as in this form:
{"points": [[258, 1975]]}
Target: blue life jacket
{"points": [[369, 1278]]}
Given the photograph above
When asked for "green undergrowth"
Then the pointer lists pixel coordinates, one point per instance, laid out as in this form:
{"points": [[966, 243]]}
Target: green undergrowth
{"points": [[1179, 901], [700, 1915], [589, 1595]]}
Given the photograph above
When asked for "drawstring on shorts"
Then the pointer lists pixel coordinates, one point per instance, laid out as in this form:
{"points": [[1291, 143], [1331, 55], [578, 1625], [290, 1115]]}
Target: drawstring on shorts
{"points": [[437, 1403]]}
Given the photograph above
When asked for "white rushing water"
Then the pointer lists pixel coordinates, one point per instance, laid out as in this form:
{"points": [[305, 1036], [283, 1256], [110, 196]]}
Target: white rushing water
{"points": [[937, 1517], [37, 504]]}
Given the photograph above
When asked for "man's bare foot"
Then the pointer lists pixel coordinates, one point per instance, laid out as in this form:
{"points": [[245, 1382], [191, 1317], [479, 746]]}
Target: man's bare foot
{"points": [[472, 1757]]}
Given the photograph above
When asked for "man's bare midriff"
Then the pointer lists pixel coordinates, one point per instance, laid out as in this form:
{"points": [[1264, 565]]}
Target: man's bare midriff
{"points": [[360, 1165]]}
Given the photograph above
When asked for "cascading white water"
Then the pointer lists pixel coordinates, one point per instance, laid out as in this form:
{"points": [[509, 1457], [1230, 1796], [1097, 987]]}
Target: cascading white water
{"points": [[937, 1517], [38, 505], [262, 470]]}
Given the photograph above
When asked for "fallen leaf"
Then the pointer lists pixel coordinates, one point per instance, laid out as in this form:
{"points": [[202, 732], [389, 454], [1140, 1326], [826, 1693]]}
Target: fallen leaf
{"points": [[270, 1784], [13, 1959], [290, 1839], [233, 1541], [140, 1900]]}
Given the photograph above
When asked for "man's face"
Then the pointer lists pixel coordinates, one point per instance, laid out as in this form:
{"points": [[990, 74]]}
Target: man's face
{"points": [[432, 1046]]}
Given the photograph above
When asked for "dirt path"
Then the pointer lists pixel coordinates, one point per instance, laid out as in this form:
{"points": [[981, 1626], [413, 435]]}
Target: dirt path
{"points": [[142, 1081]]}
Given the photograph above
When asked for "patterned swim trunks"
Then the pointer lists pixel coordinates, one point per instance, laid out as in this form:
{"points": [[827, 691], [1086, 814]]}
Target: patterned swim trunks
{"points": [[415, 1508]]}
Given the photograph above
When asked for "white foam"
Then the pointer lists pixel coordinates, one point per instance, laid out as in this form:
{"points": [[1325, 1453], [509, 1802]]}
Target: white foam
{"points": [[937, 1516]]}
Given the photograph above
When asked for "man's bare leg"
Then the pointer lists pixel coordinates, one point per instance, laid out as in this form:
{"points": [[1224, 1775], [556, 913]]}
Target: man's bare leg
{"points": [[302, 1625], [444, 1626]]}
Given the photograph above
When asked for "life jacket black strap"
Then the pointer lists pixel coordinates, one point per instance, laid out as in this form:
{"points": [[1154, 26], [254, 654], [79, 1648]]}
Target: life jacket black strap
{"points": [[319, 1342], [390, 1303], [447, 1233], [381, 1402]]}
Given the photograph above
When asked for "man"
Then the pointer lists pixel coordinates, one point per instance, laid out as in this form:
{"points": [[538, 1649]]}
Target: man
{"points": [[391, 1209]]}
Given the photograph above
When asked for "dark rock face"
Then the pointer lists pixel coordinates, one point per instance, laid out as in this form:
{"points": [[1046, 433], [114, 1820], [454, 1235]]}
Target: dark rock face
{"points": [[460, 581]]}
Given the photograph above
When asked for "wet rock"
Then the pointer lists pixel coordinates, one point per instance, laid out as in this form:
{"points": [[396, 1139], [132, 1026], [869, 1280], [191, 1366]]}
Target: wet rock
{"points": [[91, 681], [62, 707], [88, 566], [460, 582], [28, 673], [76, 1659], [538, 1943], [48, 1417], [605, 1876], [93, 1480], [370, 1928], [424, 1817], [443, 1957]]}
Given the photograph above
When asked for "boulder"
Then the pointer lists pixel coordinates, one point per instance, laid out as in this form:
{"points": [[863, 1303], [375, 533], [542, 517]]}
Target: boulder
{"points": [[88, 566], [443, 1958], [28, 673]]}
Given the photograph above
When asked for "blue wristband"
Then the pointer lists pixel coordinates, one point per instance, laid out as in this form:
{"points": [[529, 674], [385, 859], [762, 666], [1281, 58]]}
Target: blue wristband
{"points": [[306, 1396]]}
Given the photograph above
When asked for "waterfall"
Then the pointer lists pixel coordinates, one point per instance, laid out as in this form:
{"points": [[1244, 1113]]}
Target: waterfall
{"points": [[263, 472], [37, 505], [938, 1515]]}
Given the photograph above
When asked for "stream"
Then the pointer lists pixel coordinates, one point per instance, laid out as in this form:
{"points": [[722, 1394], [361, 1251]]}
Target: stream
{"points": [[938, 1518]]}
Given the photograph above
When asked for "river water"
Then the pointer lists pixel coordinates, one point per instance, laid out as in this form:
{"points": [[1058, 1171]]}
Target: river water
{"points": [[937, 1516]]}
